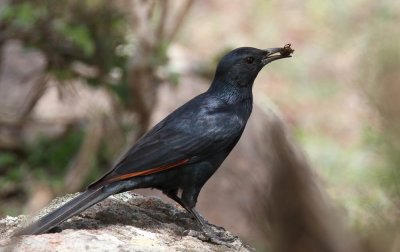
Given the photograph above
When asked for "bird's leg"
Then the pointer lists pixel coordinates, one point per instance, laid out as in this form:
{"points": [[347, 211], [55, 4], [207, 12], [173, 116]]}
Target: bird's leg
{"points": [[172, 194], [207, 233], [203, 222], [198, 217]]}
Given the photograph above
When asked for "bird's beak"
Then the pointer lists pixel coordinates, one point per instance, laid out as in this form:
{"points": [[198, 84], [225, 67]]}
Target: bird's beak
{"points": [[271, 54]]}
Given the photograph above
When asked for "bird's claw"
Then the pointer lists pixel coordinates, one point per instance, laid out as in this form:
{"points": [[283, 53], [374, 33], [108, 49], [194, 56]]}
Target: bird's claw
{"points": [[218, 228], [209, 235], [177, 215]]}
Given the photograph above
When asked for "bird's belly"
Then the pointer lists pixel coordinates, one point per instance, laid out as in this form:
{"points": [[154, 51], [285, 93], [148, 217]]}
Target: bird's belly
{"points": [[190, 175], [185, 176]]}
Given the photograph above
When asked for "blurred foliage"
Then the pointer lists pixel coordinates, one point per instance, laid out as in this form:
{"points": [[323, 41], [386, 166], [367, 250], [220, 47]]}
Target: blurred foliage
{"points": [[43, 158], [80, 40], [360, 163], [92, 41], [46, 158], [381, 77], [50, 157], [67, 32], [9, 169]]}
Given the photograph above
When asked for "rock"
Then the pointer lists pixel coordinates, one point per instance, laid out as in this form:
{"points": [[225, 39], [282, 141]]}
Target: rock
{"points": [[124, 222]]}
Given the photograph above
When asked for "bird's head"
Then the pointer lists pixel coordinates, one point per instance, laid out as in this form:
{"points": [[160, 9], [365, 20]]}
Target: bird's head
{"points": [[241, 66]]}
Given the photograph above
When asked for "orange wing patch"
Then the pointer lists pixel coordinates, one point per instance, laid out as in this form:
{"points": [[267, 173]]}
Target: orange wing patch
{"points": [[147, 172]]}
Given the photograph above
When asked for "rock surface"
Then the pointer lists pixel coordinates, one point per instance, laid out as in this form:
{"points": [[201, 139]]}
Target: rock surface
{"points": [[124, 222]]}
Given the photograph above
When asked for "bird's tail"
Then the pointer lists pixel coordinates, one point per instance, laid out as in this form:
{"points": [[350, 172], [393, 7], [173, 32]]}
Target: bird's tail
{"points": [[69, 209]]}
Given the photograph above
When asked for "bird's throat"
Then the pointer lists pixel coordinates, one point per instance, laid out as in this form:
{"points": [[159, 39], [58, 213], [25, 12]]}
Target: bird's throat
{"points": [[233, 94]]}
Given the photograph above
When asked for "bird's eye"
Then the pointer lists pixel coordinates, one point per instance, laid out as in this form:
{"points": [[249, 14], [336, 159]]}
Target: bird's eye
{"points": [[249, 60]]}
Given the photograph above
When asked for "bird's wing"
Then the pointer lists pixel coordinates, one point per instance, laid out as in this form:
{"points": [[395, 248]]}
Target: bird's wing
{"points": [[167, 147]]}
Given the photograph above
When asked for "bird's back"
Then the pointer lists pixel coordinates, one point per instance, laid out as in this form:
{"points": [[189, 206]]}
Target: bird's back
{"points": [[202, 127]]}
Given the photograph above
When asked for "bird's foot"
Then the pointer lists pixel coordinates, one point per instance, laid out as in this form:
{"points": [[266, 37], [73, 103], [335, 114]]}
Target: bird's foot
{"points": [[218, 228], [179, 215], [219, 237]]}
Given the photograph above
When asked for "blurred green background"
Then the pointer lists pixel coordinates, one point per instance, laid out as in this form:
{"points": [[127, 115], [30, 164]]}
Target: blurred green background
{"points": [[81, 80]]}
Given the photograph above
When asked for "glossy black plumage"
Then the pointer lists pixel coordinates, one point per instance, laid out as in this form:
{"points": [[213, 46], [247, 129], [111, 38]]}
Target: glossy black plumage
{"points": [[184, 150]]}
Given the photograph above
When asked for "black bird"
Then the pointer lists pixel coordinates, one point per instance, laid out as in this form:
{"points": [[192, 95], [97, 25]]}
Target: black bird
{"points": [[180, 153]]}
